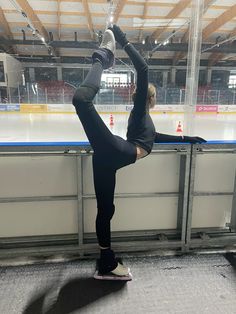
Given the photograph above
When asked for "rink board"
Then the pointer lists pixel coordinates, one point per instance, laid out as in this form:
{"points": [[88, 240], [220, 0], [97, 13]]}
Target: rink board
{"points": [[39, 194], [111, 108], [55, 176]]}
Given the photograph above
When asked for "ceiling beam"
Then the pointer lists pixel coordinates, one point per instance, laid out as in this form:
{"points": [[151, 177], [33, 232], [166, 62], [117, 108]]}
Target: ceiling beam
{"points": [[219, 21], [89, 18], [175, 12], [35, 21], [119, 8], [93, 44], [7, 31], [179, 55], [33, 18], [103, 14], [4, 25], [215, 57], [207, 4], [209, 29], [58, 19], [144, 16], [98, 26]]}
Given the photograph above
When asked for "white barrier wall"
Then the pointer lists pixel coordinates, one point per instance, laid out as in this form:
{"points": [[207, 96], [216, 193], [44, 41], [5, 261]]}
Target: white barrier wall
{"points": [[214, 174], [34, 177], [56, 176], [152, 174]]}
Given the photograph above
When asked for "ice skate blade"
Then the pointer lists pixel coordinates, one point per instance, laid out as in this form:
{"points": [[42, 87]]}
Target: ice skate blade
{"points": [[111, 276]]}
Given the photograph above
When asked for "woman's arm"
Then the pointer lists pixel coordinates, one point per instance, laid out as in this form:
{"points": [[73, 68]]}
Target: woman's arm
{"points": [[166, 138], [139, 63], [137, 60], [141, 68]]}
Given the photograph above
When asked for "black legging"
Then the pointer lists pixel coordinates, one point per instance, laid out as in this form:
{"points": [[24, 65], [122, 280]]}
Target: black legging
{"points": [[111, 152]]}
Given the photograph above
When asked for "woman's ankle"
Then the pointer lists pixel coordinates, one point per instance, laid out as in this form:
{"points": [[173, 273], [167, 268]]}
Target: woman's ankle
{"points": [[104, 248], [107, 252]]}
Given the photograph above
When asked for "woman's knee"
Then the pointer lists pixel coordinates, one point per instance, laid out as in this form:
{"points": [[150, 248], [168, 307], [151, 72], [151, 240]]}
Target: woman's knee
{"points": [[106, 213], [84, 94], [80, 97]]}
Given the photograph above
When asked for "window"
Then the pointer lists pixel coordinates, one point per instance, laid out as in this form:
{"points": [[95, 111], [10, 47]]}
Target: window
{"points": [[232, 81]]}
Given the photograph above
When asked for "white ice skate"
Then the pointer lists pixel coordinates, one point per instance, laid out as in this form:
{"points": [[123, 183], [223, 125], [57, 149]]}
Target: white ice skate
{"points": [[108, 41], [119, 273], [105, 52]]}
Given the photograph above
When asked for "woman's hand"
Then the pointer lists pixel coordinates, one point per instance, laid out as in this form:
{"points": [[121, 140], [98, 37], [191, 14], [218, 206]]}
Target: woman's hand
{"points": [[119, 35], [193, 140]]}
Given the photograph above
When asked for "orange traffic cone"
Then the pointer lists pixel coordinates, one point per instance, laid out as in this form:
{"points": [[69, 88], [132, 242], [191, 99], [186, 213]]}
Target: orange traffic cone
{"points": [[179, 128], [111, 120]]}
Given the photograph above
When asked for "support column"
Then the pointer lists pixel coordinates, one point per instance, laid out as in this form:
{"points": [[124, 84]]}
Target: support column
{"points": [[173, 76], [59, 73], [209, 73], [165, 79], [233, 210], [194, 55], [32, 74]]}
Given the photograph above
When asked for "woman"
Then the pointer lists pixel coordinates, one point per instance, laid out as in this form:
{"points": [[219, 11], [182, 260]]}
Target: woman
{"points": [[112, 152]]}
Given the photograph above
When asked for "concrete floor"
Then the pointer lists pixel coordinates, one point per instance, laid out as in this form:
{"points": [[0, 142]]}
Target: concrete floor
{"points": [[189, 284]]}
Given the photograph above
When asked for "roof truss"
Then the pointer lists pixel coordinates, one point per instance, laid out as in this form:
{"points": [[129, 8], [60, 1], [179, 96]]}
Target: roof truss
{"points": [[119, 8], [35, 21], [89, 19], [209, 29], [33, 18], [215, 57], [175, 12], [58, 19], [4, 24], [144, 16], [224, 18]]}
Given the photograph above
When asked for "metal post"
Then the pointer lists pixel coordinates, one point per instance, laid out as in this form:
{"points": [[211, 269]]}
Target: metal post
{"points": [[129, 101], [204, 96], [28, 95], [46, 95], [63, 96], [234, 97], [218, 98], [233, 210], [18, 87], [8, 91], [181, 188], [80, 207], [9, 94], [165, 79], [190, 196], [37, 95], [184, 171], [165, 96]]}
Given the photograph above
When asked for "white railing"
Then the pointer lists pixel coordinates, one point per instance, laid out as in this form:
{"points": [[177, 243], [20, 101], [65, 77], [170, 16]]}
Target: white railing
{"points": [[115, 94]]}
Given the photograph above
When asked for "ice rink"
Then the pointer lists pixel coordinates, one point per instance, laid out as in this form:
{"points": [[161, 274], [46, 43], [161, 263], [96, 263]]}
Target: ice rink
{"points": [[49, 127]]}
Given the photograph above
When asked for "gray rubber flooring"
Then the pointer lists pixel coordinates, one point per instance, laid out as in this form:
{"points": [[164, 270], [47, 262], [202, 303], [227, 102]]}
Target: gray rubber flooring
{"points": [[170, 284]]}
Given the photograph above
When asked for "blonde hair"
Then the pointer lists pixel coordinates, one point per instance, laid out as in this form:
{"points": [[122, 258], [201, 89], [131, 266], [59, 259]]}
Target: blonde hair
{"points": [[151, 96]]}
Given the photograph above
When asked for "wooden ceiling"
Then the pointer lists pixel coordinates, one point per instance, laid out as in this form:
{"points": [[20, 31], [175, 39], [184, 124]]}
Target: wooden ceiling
{"points": [[82, 20]]}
